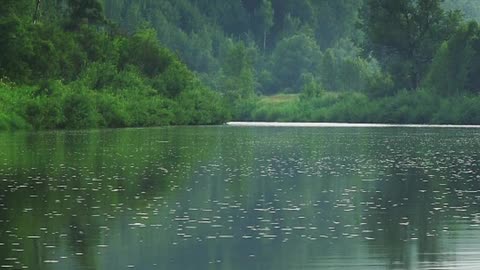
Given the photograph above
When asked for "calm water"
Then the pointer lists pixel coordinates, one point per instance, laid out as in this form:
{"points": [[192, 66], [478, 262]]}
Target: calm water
{"points": [[241, 198]]}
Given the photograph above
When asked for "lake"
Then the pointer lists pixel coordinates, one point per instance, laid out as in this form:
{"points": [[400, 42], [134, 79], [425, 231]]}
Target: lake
{"points": [[233, 198]]}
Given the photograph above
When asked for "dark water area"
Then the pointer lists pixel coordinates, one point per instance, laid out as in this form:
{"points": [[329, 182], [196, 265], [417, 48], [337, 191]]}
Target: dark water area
{"points": [[241, 198]]}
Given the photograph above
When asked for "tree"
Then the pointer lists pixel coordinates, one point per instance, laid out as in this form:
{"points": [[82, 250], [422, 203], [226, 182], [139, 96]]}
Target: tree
{"points": [[456, 65], [15, 41], [294, 56], [335, 19], [312, 88], [145, 52], [404, 35], [238, 74], [20, 8], [470, 9], [37, 11], [84, 12], [265, 14]]}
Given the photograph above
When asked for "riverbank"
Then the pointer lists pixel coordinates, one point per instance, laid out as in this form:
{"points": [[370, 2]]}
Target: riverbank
{"points": [[69, 106], [56, 105], [405, 107]]}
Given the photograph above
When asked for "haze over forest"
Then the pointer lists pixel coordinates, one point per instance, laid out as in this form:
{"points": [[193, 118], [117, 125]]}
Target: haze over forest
{"points": [[133, 63]]}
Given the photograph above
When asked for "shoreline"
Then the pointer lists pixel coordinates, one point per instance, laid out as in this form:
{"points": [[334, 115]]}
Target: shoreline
{"points": [[342, 125]]}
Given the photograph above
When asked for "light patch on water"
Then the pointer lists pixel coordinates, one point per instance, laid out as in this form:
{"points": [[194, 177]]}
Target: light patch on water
{"points": [[344, 125]]}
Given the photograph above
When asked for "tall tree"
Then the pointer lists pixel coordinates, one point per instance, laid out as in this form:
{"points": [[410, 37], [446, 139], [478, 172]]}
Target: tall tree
{"points": [[335, 19], [238, 80], [265, 14], [37, 11], [405, 35], [456, 65]]}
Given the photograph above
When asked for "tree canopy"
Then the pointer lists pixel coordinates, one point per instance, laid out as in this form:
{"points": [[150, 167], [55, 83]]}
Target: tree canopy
{"points": [[140, 61]]}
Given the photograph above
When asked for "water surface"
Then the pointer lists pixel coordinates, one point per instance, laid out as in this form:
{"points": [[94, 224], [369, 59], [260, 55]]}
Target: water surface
{"points": [[241, 198]]}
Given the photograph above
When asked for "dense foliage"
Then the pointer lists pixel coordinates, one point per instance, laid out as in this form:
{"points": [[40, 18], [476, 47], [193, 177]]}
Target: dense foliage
{"points": [[116, 63], [75, 72]]}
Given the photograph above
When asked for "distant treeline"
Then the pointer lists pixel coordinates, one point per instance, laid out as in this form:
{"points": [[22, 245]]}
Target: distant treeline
{"points": [[120, 63]]}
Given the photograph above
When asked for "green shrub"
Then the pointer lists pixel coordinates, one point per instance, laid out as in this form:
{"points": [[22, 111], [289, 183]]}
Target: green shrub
{"points": [[79, 110], [150, 111], [112, 111], [200, 106], [144, 51], [174, 80]]}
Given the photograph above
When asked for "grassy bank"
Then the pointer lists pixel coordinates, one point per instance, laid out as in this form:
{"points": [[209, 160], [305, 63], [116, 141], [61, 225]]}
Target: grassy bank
{"points": [[54, 104], [72, 106], [412, 107]]}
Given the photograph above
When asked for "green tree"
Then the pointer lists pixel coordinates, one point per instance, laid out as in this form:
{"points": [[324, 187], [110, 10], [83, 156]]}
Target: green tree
{"points": [[144, 51], [312, 88], [470, 9], [456, 65], [84, 12], [334, 20], [294, 56], [265, 14], [405, 35], [238, 75]]}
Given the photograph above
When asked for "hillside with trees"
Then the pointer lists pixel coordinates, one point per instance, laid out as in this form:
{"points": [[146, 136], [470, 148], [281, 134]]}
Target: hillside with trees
{"points": [[64, 65], [120, 63]]}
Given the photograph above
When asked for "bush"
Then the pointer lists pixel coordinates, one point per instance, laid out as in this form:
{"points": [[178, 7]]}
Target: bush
{"points": [[12, 121], [79, 110], [200, 106], [143, 50], [406, 107], [44, 113], [112, 111], [151, 111], [89, 78], [174, 80]]}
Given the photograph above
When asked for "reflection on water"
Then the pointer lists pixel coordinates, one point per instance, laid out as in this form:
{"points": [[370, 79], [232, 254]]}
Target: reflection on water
{"points": [[241, 198]]}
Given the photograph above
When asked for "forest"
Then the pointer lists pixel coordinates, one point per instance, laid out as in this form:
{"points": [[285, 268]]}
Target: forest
{"points": [[76, 64]]}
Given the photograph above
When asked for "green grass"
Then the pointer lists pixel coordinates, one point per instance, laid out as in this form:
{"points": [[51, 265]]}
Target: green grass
{"points": [[279, 99], [406, 107]]}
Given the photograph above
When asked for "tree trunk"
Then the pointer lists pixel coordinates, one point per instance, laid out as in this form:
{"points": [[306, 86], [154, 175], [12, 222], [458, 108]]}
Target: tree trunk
{"points": [[264, 40], [37, 11]]}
